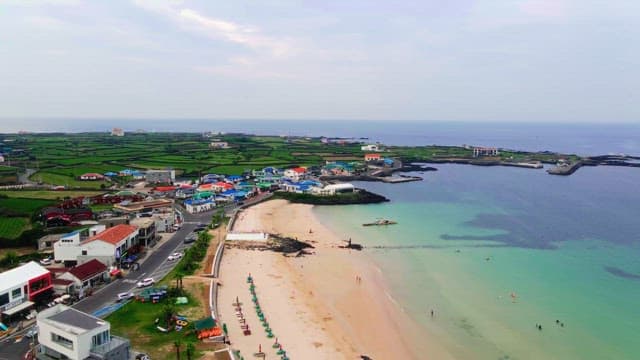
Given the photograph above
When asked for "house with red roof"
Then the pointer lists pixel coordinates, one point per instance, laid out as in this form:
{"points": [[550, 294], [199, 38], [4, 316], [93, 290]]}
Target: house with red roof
{"points": [[110, 245], [86, 276], [372, 157], [221, 186], [295, 174]]}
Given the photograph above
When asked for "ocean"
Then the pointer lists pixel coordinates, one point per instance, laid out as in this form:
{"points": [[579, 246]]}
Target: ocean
{"points": [[497, 251]]}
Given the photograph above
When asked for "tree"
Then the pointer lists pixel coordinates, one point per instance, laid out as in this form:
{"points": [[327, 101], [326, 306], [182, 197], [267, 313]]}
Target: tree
{"points": [[177, 344], [178, 276], [10, 259], [190, 350]]}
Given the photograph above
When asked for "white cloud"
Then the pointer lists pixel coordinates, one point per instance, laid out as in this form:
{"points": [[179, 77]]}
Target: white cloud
{"points": [[219, 29], [45, 22]]}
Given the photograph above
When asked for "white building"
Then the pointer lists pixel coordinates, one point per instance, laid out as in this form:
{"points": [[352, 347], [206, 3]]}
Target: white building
{"points": [[1, 158], [66, 333], [485, 151], [295, 174], [160, 176], [333, 189], [110, 245], [67, 249], [21, 285], [219, 145], [370, 147], [117, 132]]}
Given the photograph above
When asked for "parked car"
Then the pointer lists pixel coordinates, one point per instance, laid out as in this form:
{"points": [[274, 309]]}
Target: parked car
{"points": [[175, 256], [33, 332], [125, 296], [46, 261], [145, 282], [200, 228], [190, 238]]}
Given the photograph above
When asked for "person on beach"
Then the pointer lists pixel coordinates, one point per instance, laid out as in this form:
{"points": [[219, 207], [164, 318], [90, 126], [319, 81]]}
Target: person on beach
{"points": [[432, 313]]}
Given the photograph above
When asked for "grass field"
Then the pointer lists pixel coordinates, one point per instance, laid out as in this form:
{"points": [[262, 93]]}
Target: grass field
{"points": [[24, 206], [48, 194], [12, 227], [65, 180], [136, 321]]}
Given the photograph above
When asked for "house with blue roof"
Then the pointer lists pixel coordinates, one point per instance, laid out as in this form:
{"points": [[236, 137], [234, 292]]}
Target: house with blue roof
{"points": [[234, 178], [199, 205]]}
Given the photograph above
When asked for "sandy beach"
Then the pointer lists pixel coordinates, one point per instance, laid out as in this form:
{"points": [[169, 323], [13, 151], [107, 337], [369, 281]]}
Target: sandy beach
{"points": [[314, 304]]}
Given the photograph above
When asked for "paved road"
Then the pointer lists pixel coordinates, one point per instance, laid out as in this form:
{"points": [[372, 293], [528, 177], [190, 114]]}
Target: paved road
{"points": [[156, 266]]}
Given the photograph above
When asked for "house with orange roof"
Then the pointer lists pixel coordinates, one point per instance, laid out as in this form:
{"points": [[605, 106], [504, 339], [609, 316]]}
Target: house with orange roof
{"points": [[110, 245], [295, 174], [372, 157], [105, 245]]}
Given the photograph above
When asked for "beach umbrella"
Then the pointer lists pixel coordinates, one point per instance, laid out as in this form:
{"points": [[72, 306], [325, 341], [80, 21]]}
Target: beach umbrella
{"points": [[275, 344], [280, 351]]}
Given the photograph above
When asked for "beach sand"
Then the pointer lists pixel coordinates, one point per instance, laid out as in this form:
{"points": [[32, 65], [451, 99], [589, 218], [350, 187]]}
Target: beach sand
{"points": [[314, 304]]}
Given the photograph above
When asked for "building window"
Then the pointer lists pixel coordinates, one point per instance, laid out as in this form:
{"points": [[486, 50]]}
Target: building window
{"points": [[60, 340], [4, 299], [16, 293], [39, 284], [100, 339], [84, 252]]}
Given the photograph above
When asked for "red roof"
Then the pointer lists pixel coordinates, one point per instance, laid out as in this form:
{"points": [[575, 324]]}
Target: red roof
{"points": [[92, 175], [224, 185], [88, 270], [114, 234], [374, 156], [299, 170], [165, 188], [61, 282]]}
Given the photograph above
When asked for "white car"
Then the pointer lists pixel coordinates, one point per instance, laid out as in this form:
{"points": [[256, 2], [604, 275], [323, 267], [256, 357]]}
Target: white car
{"points": [[46, 261], [145, 282], [175, 256], [125, 296]]}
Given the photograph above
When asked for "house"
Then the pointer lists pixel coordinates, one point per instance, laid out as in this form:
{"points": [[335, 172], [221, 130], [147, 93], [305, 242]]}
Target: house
{"points": [[222, 186], [234, 178], [334, 189], [136, 174], [484, 151], [370, 147], [337, 168], [160, 176], [1, 158], [219, 145], [194, 206], [372, 157], [46, 242], [117, 132], [67, 333], [86, 276], [295, 174], [21, 287], [91, 177], [146, 206], [110, 174], [146, 230], [211, 178], [67, 249], [110, 245]]}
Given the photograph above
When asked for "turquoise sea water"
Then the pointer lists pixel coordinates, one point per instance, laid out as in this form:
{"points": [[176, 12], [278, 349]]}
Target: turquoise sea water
{"points": [[468, 237]]}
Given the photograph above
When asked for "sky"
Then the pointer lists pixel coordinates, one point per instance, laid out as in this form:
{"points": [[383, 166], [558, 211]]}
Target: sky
{"points": [[457, 60]]}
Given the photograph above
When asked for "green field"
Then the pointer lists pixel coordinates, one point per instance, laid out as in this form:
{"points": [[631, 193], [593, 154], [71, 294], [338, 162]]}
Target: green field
{"points": [[23, 206], [12, 227], [47, 194], [65, 180]]}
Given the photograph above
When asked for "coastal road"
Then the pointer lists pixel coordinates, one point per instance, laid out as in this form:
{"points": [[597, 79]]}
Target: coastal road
{"points": [[156, 266]]}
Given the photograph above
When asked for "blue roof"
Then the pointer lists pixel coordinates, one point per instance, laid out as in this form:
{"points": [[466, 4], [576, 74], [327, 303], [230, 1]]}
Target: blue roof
{"points": [[229, 192], [234, 177], [240, 194], [110, 173], [388, 161], [72, 233]]}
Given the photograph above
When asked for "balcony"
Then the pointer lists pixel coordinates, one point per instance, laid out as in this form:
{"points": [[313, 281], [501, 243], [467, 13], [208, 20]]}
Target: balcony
{"points": [[116, 344]]}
